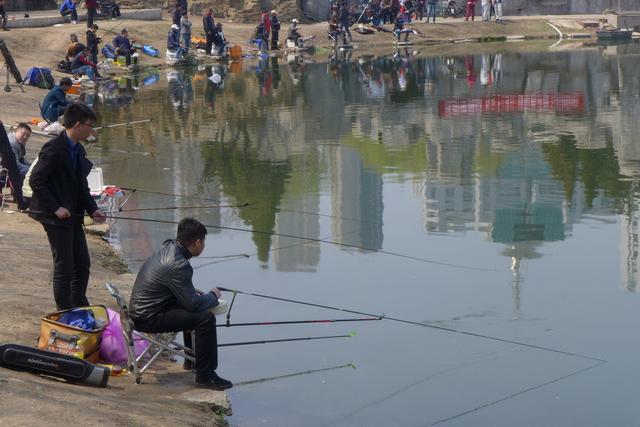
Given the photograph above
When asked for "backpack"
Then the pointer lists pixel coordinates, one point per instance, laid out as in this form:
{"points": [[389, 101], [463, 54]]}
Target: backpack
{"points": [[40, 77]]}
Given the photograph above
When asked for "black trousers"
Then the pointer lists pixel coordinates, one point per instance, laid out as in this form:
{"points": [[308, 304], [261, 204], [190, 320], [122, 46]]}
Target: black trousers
{"points": [[209, 44], [72, 12], [91, 15], [274, 40], [177, 319], [71, 264]]}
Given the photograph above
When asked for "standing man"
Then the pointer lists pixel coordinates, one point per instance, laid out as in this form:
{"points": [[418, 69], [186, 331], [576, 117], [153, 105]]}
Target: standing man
{"points": [[209, 29], [91, 11], [60, 198], [498, 7], [18, 140], [431, 9], [3, 15], [92, 42], [470, 11], [486, 10], [265, 21], [185, 31], [164, 299], [345, 19], [275, 29], [176, 16]]}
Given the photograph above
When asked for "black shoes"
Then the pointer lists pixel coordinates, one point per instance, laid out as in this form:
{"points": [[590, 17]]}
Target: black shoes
{"points": [[214, 382]]}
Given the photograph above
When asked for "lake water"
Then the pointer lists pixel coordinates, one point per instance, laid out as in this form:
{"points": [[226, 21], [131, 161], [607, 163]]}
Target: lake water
{"points": [[493, 194]]}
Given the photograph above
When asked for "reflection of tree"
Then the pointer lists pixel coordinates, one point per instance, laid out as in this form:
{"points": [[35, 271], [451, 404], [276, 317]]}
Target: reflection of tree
{"points": [[248, 179], [598, 169], [410, 158]]}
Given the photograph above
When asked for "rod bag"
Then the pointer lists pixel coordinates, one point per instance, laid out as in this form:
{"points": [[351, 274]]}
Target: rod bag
{"points": [[69, 368]]}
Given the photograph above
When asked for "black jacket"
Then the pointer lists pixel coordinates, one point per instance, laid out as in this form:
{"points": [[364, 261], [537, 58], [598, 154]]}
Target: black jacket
{"points": [[57, 183], [209, 25], [164, 281], [93, 41]]}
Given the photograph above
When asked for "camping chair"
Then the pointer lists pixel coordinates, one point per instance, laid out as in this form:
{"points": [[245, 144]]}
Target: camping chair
{"points": [[5, 183], [158, 344]]}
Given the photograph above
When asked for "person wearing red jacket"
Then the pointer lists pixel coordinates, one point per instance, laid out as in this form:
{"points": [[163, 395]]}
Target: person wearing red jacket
{"points": [[91, 5], [265, 20], [470, 12]]}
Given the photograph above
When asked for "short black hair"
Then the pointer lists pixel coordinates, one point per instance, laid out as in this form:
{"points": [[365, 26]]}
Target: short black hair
{"points": [[66, 81], [23, 125], [95, 27], [77, 112], [190, 230], [124, 30]]}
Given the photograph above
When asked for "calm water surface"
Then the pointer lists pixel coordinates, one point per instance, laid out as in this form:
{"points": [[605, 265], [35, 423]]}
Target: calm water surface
{"points": [[508, 178]]}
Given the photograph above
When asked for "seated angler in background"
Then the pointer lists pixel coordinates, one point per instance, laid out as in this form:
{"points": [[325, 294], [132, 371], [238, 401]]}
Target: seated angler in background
{"points": [[74, 48], [220, 41], [18, 140], [164, 299], [173, 42], [82, 65], [56, 102], [68, 7], [123, 45]]}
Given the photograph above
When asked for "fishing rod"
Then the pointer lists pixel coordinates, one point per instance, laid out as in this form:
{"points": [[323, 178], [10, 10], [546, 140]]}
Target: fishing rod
{"points": [[299, 322], [325, 337], [310, 239], [167, 208], [162, 193], [296, 374], [410, 322]]}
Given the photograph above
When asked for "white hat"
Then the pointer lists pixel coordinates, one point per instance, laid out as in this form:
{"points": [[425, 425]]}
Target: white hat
{"points": [[294, 21], [274, 12], [175, 27]]}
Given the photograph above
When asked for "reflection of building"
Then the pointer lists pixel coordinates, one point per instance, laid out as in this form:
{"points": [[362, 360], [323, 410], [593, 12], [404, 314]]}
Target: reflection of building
{"points": [[357, 201]]}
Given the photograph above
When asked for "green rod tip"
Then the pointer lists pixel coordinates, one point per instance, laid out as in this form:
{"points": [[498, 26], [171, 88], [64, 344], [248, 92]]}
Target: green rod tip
{"points": [[352, 333]]}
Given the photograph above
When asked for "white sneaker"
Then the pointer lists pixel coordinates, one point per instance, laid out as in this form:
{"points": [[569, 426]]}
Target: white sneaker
{"points": [[74, 22]]}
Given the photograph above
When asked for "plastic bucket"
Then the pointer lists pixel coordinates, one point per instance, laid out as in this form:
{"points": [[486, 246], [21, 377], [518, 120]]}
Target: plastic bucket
{"points": [[235, 52]]}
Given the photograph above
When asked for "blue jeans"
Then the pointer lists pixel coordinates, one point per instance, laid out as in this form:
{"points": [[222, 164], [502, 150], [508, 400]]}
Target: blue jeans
{"points": [[85, 69], [72, 12], [186, 40], [431, 11]]}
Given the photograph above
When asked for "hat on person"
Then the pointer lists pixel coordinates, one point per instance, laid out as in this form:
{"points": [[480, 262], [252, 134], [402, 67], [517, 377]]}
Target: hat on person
{"points": [[274, 12], [175, 27], [294, 21]]}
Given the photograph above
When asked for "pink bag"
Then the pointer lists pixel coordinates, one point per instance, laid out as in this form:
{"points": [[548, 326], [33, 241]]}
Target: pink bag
{"points": [[113, 348]]}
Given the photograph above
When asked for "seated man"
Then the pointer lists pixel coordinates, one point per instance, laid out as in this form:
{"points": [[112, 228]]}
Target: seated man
{"points": [[74, 48], [18, 140], [68, 7], [56, 102], [399, 29], [82, 65], [173, 42], [294, 35], [261, 37], [219, 40], [163, 299], [123, 46]]}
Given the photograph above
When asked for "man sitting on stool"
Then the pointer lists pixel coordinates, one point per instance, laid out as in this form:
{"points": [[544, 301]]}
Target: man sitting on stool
{"points": [[163, 299]]}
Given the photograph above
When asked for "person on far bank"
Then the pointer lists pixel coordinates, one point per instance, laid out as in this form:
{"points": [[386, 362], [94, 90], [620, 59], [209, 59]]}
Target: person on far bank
{"points": [[275, 29], [18, 140], [176, 15], [60, 198], [498, 7], [55, 102], [185, 31], [91, 6], [431, 9], [486, 10], [123, 46], [470, 11], [82, 65], [164, 299], [92, 42], [209, 29], [3, 15], [68, 7], [219, 41]]}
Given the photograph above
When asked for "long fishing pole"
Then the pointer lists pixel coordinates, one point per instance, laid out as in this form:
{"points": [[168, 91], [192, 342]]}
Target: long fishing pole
{"points": [[295, 374], [168, 208], [349, 335], [311, 239], [410, 322], [299, 322], [162, 193]]}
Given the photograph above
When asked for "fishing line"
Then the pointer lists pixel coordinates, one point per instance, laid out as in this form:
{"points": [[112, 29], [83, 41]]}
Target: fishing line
{"points": [[325, 337], [167, 208], [162, 193], [206, 257], [300, 322], [410, 322], [311, 239]]}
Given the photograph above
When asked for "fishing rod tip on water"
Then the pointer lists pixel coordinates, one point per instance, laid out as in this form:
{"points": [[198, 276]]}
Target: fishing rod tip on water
{"points": [[352, 334]]}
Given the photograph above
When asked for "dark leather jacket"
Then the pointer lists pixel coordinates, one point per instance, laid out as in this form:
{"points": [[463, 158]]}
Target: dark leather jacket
{"points": [[164, 281]]}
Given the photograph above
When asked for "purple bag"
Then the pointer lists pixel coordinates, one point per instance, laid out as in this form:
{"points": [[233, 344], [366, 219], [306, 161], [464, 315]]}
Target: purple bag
{"points": [[113, 348]]}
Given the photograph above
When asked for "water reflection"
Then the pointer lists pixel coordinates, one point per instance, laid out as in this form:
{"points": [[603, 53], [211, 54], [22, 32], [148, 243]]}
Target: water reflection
{"points": [[519, 147]]}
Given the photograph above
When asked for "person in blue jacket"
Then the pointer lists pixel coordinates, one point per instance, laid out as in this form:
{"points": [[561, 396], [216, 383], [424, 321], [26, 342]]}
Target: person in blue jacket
{"points": [[68, 7], [173, 42], [56, 102]]}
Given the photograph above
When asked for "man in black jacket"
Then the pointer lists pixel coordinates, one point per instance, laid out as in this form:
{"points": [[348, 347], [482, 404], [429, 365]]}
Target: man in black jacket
{"points": [[60, 198], [92, 42], [209, 29], [163, 299]]}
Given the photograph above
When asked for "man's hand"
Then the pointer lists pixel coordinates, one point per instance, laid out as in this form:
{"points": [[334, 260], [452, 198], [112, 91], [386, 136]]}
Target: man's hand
{"points": [[98, 216], [62, 213], [217, 292], [199, 292]]}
